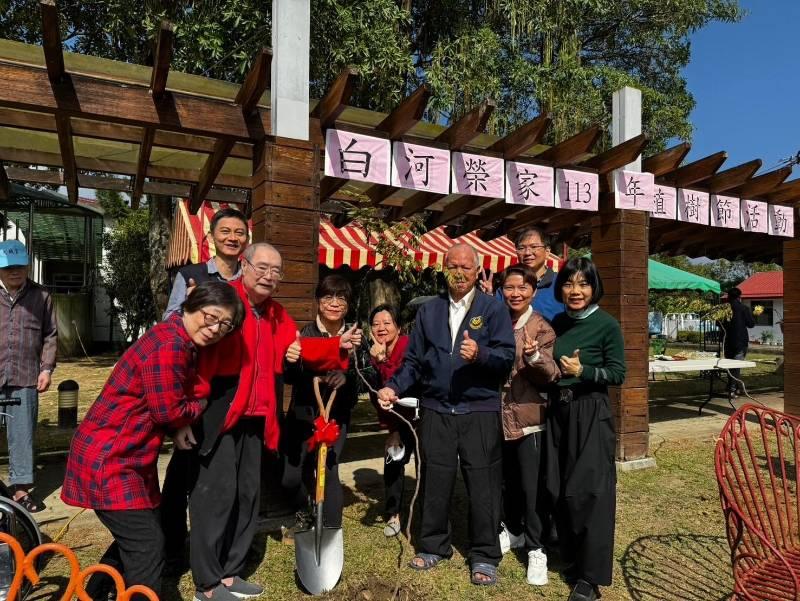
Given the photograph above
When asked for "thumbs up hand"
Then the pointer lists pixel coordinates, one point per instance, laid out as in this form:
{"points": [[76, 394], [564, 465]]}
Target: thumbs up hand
{"points": [[571, 366], [469, 348], [351, 338], [293, 352]]}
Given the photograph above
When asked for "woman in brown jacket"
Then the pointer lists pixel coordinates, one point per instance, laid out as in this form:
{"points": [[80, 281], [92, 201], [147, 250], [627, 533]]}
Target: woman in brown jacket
{"points": [[524, 419]]}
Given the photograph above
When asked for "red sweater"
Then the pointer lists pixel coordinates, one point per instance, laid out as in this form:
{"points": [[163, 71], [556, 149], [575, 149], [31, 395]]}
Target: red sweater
{"points": [[385, 371], [255, 353]]}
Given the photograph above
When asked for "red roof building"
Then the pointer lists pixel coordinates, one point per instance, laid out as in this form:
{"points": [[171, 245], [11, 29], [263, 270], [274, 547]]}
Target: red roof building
{"points": [[764, 284]]}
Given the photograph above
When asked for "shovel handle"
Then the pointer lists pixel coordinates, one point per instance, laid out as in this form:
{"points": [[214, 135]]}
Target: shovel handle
{"points": [[322, 458], [324, 410]]}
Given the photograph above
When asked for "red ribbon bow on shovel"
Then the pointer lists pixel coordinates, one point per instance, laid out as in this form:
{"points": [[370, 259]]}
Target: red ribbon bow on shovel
{"points": [[325, 432]]}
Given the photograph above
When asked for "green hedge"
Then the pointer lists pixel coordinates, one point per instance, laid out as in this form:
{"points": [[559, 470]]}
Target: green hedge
{"points": [[690, 336]]}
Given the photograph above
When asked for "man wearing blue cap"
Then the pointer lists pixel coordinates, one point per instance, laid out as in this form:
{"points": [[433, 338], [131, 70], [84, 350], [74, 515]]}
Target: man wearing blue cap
{"points": [[27, 358]]}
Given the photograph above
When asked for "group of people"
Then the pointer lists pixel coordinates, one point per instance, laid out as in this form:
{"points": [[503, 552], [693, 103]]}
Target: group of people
{"points": [[516, 394], [513, 392]]}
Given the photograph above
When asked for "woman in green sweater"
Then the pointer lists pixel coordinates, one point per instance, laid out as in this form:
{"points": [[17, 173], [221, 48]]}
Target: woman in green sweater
{"points": [[581, 475]]}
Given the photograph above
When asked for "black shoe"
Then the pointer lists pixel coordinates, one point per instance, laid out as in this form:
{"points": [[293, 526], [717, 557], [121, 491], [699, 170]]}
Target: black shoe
{"points": [[302, 522], [583, 591]]}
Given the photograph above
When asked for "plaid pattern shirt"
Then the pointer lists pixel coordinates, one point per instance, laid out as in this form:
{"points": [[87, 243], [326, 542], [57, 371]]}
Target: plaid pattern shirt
{"points": [[113, 455], [28, 335]]}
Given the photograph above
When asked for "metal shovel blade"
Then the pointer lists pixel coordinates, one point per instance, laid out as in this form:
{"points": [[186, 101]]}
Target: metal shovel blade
{"points": [[319, 557]]}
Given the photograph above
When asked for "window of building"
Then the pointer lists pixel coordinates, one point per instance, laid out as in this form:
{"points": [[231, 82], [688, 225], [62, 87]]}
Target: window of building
{"points": [[765, 319]]}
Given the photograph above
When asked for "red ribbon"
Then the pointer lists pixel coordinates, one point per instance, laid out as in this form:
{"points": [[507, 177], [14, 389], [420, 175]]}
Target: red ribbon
{"points": [[324, 433]]}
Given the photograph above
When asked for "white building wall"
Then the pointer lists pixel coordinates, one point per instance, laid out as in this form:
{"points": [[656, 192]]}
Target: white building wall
{"points": [[775, 328]]}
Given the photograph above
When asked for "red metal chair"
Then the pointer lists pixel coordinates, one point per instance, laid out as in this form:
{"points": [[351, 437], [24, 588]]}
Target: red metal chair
{"points": [[757, 471]]}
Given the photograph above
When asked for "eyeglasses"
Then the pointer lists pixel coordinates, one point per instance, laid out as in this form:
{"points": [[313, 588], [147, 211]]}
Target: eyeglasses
{"points": [[212, 320], [531, 247], [261, 270], [329, 298]]}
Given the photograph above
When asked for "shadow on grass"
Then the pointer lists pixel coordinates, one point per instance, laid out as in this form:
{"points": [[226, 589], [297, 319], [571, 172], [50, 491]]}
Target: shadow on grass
{"points": [[678, 567]]}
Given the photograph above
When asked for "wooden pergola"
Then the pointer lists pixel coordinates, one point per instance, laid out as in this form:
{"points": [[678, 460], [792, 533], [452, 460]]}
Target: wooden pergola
{"points": [[93, 123]]}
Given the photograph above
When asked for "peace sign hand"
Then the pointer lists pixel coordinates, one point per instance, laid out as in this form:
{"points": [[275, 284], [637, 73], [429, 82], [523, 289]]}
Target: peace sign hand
{"points": [[378, 348], [486, 281], [529, 346]]}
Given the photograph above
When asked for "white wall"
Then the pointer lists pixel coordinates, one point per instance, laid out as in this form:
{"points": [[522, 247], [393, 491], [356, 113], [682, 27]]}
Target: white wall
{"points": [[777, 315]]}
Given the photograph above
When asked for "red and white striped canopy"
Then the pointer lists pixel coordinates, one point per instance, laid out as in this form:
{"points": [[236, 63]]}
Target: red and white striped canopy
{"points": [[345, 246]]}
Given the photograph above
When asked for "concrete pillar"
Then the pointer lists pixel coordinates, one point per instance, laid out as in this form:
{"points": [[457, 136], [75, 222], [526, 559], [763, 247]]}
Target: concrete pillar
{"points": [[791, 326], [291, 43], [626, 119]]}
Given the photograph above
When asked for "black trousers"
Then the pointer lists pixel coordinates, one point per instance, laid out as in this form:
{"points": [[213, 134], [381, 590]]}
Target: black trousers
{"points": [[523, 497], [223, 505], [394, 473], [582, 480], [474, 440], [299, 466], [137, 551], [178, 482]]}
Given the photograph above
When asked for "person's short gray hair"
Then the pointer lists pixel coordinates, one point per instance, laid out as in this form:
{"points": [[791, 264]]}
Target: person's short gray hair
{"points": [[251, 250], [464, 245]]}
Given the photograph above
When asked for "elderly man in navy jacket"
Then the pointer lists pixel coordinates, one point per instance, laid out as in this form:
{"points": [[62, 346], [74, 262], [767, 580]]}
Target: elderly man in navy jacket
{"points": [[460, 353]]}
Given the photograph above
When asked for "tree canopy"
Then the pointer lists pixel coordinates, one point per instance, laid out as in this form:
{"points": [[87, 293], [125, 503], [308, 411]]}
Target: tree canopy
{"points": [[563, 57]]}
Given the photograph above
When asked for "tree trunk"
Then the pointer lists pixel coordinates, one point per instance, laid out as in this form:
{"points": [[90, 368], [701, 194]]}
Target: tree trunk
{"points": [[160, 224], [383, 288]]}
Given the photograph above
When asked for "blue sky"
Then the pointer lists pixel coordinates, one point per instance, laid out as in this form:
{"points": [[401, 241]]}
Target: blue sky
{"points": [[745, 78]]}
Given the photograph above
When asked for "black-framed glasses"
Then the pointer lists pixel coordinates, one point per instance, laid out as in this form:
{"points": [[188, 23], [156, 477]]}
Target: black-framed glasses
{"points": [[329, 298], [211, 320], [260, 271]]}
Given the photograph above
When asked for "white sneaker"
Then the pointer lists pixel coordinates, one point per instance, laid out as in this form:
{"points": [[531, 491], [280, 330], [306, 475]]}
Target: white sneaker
{"points": [[510, 541], [537, 567]]}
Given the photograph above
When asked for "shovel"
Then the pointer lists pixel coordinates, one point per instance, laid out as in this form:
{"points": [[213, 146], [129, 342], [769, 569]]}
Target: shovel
{"points": [[319, 552]]}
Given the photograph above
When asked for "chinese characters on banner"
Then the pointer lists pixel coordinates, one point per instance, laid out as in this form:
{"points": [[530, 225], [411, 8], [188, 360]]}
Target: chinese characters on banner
{"points": [[421, 167], [781, 221], [576, 190], [693, 206], [754, 216], [724, 211], [477, 175], [528, 184], [665, 202], [634, 190], [357, 156]]}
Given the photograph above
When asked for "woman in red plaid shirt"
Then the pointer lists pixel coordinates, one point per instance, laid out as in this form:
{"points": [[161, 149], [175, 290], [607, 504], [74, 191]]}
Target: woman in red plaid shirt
{"points": [[112, 461]]}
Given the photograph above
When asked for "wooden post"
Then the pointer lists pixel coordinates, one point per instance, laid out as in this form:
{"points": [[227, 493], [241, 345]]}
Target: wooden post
{"points": [[791, 326], [286, 214], [620, 251]]}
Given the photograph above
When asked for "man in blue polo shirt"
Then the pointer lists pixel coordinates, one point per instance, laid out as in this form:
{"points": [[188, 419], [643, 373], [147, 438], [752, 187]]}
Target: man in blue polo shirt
{"points": [[532, 250]]}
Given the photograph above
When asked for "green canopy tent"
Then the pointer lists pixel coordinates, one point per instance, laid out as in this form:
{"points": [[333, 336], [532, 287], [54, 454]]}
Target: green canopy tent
{"points": [[666, 277]]}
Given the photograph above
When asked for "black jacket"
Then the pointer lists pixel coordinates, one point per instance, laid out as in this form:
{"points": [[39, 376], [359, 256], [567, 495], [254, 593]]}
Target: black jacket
{"points": [[735, 330]]}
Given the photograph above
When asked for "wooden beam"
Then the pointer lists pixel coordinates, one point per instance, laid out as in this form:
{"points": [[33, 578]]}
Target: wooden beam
{"points": [[459, 207], [51, 41], [256, 82], [523, 138], [406, 114], [118, 133], [161, 60], [99, 182], [209, 173], [730, 178], [5, 186], [184, 190], [617, 156], [763, 184], [567, 219], [141, 166], [65, 145], [666, 161], [28, 88], [572, 149], [336, 98], [501, 210], [786, 193], [696, 171], [35, 176], [531, 216]]}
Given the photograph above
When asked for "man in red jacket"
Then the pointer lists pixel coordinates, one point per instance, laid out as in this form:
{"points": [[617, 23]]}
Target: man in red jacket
{"points": [[239, 380]]}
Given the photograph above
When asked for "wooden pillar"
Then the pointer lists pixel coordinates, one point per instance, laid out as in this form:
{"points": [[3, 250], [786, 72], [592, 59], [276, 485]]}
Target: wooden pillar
{"points": [[791, 326], [286, 214], [620, 251]]}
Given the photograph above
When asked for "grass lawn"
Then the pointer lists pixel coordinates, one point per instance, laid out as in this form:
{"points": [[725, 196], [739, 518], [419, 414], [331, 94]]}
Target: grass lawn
{"points": [[670, 545]]}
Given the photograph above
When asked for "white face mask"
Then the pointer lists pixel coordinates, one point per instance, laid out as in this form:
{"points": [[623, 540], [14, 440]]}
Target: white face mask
{"points": [[395, 453]]}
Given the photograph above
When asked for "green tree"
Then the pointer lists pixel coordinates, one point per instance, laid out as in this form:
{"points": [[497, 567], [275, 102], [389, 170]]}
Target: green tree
{"points": [[125, 273], [113, 204]]}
